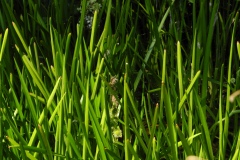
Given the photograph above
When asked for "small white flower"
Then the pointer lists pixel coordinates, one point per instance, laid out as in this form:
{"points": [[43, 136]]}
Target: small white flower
{"points": [[199, 45], [233, 80], [117, 132]]}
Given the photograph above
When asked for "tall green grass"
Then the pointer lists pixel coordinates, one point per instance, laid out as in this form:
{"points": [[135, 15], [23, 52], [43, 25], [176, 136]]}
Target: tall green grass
{"points": [[119, 79]]}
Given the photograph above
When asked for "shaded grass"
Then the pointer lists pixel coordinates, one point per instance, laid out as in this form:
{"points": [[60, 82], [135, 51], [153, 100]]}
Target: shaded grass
{"points": [[144, 83]]}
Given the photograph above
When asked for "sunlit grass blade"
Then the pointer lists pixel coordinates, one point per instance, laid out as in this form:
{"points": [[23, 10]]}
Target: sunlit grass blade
{"points": [[93, 32], [207, 51], [17, 103], [152, 132], [238, 49], [132, 150], [206, 135], [184, 98], [23, 41], [184, 141], [29, 100], [15, 144], [227, 110], [221, 132], [35, 76], [101, 140], [46, 143], [190, 116], [97, 80], [236, 153], [139, 138], [3, 44], [74, 145], [170, 122], [14, 128], [165, 17], [179, 67], [163, 80], [136, 114], [126, 112], [86, 120]]}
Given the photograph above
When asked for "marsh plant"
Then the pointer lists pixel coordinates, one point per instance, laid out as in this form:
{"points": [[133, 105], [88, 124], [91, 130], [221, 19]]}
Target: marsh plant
{"points": [[133, 79]]}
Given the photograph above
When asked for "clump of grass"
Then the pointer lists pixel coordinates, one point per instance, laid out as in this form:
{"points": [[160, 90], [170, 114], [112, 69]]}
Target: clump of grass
{"points": [[119, 80]]}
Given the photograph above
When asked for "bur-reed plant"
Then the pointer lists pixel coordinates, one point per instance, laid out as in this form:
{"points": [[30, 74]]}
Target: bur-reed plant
{"points": [[119, 79]]}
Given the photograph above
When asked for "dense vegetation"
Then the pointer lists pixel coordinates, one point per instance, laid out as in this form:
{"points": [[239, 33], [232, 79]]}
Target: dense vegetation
{"points": [[131, 79]]}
